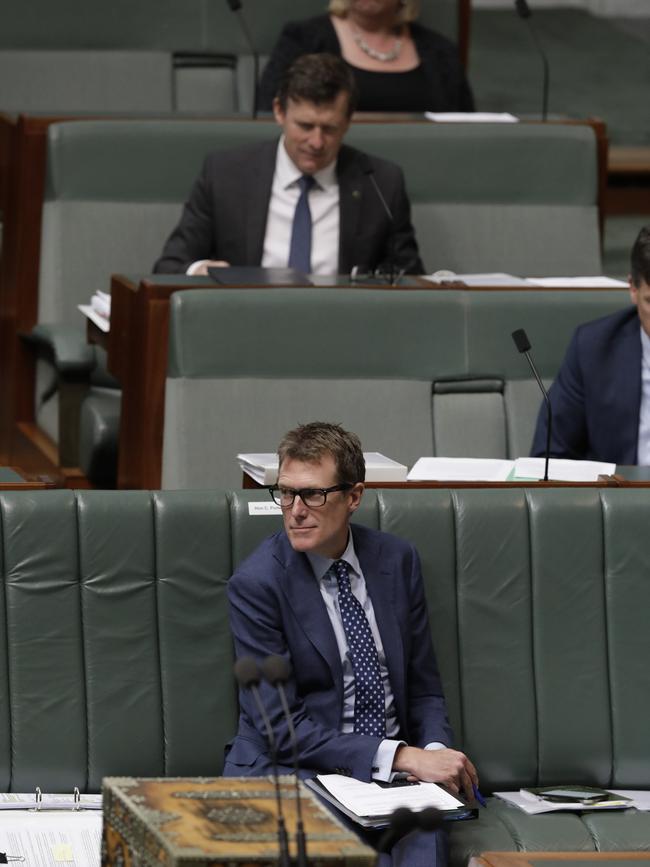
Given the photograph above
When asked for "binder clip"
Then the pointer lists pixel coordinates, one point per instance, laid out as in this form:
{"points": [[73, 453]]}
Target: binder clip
{"points": [[38, 798], [76, 805]]}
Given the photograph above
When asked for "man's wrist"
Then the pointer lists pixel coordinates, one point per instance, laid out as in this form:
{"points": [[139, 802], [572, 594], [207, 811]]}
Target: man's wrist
{"points": [[405, 759]]}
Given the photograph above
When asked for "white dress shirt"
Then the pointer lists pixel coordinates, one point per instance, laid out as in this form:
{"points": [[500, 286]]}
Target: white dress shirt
{"points": [[324, 207]]}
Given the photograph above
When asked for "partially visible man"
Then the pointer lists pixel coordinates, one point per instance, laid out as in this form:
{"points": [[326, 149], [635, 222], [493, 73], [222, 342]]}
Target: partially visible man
{"points": [[345, 606], [601, 396], [307, 200]]}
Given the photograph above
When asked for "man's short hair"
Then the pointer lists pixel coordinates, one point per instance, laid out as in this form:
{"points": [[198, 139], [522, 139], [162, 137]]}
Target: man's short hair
{"points": [[640, 258], [310, 442], [317, 78]]}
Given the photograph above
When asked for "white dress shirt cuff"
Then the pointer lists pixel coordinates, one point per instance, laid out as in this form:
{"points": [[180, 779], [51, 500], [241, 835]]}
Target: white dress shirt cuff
{"points": [[434, 745], [382, 765], [194, 267]]}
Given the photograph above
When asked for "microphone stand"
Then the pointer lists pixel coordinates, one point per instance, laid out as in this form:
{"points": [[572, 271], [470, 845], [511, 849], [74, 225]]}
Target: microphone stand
{"points": [[236, 7], [247, 673], [524, 12], [523, 345]]}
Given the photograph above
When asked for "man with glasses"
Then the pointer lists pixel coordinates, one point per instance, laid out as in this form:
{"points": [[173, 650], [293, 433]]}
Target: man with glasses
{"points": [[345, 606]]}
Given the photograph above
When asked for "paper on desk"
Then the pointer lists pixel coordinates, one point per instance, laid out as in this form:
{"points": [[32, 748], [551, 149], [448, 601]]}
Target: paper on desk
{"points": [[495, 278], [460, 470], [533, 806], [578, 282], [44, 839], [562, 470], [369, 799], [90, 313], [471, 117]]}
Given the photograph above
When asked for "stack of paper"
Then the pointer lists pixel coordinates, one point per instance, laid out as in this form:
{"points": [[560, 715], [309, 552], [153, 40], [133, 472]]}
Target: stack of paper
{"points": [[533, 805], [263, 467], [492, 279], [460, 470], [99, 310], [471, 117]]}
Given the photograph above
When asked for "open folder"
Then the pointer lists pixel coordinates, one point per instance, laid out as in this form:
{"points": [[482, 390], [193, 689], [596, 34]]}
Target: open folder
{"points": [[372, 804]]}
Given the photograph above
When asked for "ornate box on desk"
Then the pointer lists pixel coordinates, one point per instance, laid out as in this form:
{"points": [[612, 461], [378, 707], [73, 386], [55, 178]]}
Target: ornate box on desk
{"points": [[211, 821]]}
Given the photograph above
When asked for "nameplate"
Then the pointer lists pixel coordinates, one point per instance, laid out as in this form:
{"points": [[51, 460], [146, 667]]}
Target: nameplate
{"points": [[264, 508]]}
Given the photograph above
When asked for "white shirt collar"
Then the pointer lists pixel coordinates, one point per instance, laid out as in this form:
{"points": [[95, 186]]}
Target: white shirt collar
{"points": [[288, 173], [321, 565]]}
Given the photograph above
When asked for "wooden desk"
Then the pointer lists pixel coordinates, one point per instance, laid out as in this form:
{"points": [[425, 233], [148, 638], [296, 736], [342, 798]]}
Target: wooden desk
{"points": [[249, 484], [560, 859], [15, 479]]}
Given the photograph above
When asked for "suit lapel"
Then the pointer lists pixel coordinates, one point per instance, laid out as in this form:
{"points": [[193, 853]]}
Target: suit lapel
{"points": [[303, 595], [351, 185], [257, 196], [381, 582]]}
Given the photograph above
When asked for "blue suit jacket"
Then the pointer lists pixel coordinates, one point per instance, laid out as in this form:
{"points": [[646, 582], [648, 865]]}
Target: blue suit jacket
{"points": [[596, 396], [276, 608]]}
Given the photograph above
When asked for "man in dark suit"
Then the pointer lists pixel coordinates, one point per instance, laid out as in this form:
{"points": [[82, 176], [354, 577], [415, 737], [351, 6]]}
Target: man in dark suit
{"points": [[601, 395], [307, 200], [345, 606]]}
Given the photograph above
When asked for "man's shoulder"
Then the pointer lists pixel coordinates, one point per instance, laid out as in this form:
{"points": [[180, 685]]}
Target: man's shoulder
{"points": [[353, 159], [607, 327], [230, 158], [270, 553], [367, 538]]}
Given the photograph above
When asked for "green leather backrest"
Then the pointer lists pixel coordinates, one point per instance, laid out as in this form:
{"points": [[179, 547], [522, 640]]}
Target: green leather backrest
{"points": [[115, 652], [171, 25], [412, 372]]}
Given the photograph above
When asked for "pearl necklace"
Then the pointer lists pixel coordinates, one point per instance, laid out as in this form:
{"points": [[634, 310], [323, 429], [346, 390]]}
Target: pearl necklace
{"points": [[383, 56]]}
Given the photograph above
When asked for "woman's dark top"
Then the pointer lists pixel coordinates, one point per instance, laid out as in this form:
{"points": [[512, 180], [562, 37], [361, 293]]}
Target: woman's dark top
{"points": [[392, 91], [445, 87]]}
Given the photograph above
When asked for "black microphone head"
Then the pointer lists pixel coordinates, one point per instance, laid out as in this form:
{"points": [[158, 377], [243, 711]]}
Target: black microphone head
{"points": [[429, 819], [247, 672], [523, 9], [235, 5], [521, 340], [276, 669], [402, 820]]}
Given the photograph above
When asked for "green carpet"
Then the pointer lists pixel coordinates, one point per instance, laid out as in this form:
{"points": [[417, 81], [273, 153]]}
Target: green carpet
{"points": [[597, 69]]}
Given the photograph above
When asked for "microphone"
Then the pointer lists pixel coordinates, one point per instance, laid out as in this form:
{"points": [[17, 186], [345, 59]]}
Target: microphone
{"points": [[248, 676], [524, 12], [523, 345], [235, 6], [403, 820], [392, 268], [277, 671]]}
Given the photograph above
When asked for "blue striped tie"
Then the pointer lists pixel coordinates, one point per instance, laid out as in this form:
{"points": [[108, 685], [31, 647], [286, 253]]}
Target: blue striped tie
{"points": [[369, 698], [300, 249]]}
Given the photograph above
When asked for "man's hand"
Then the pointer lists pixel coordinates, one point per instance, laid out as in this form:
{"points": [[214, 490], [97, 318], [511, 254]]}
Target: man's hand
{"points": [[200, 269], [450, 768]]}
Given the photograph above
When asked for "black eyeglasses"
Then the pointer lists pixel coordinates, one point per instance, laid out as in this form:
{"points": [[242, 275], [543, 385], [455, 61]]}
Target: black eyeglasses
{"points": [[312, 497]]}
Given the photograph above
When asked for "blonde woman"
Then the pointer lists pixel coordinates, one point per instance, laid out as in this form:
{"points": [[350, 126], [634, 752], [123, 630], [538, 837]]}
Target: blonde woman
{"points": [[398, 64]]}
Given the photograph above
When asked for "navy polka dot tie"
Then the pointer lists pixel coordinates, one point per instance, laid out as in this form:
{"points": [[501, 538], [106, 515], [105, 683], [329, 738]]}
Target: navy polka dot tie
{"points": [[369, 699]]}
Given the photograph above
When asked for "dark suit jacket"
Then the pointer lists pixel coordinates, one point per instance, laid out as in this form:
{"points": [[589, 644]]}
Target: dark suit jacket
{"points": [[225, 216], [596, 396], [445, 77], [276, 608]]}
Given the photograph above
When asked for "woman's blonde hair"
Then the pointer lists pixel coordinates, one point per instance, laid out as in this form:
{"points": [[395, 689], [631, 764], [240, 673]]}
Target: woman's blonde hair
{"points": [[408, 11]]}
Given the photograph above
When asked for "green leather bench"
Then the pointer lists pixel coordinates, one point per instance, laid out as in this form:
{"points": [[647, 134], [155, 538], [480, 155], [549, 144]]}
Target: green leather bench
{"points": [[115, 652]]}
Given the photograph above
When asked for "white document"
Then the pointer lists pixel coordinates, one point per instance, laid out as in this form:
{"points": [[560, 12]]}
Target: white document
{"points": [[471, 116], [369, 799], [90, 313], [263, 467], [492, 279], [598, 282], [27, 801], [533, 806], [562, 470], [49, 839], [460, 470]]}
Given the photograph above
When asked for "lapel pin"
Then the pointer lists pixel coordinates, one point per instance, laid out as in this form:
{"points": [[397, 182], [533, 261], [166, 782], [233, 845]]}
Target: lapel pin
{"points": [[356, 194]]}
